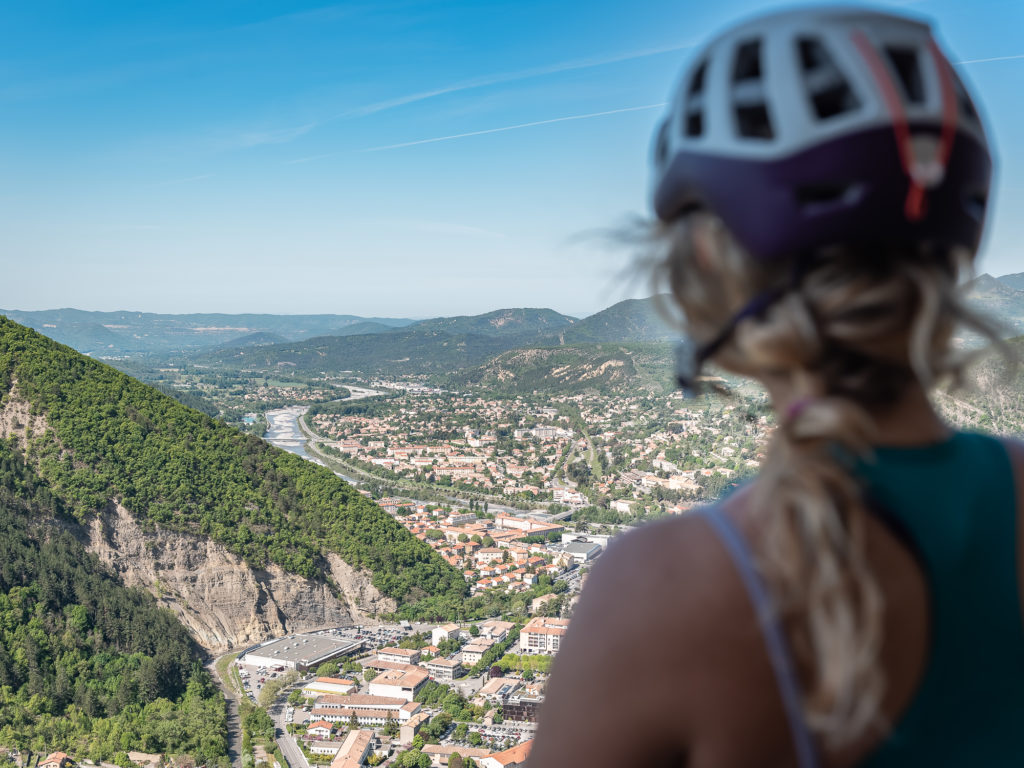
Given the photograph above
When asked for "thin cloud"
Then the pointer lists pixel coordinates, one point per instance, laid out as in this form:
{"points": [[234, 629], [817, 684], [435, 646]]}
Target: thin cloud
{"points": [[278, 136], [508, 77], [466, 85], [994, 58], [516, 127]]}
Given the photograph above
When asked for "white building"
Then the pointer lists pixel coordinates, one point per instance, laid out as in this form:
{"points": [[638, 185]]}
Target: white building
{"points": [[443, 670], [473, 651], [543, 635], [399, 655], [443, 632], [328, 685], [398, 684]]}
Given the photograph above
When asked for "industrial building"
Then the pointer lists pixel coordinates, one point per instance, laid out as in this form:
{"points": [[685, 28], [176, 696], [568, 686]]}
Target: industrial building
{"points": [[300, 652]]}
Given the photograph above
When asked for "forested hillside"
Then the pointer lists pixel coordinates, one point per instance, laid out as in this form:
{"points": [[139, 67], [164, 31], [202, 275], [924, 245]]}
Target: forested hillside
{"points": [[87, 665], [95, 435], [602, 368]]}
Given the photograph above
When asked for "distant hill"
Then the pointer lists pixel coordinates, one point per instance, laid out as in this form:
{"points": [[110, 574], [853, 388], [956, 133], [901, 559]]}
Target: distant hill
{"points": [[999, 300], [431, 346], [501, 322], [628, 321], [402, 351], [126, 334], [604, 368], [258, 339], [1015, 280]]}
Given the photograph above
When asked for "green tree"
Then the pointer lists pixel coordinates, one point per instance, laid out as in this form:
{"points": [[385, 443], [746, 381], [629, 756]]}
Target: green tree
{"points": [[390, 726], [327, 669]]}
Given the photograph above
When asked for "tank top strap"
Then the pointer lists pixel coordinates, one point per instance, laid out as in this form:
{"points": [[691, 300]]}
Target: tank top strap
{"points": [[779, 653]]}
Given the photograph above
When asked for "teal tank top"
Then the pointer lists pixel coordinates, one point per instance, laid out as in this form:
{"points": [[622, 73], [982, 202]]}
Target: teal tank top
{"points": [[954, 504]]}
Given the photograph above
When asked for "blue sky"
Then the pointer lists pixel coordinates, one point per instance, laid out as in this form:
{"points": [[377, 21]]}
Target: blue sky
{"points": [[280, 157]]}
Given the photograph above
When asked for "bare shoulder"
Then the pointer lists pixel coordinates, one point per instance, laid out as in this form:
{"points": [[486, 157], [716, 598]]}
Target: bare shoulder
{"points": [[1015, 450], [665, 614]]}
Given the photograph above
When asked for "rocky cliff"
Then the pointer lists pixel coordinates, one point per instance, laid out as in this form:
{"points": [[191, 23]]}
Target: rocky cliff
{"points": [[223, 602]]}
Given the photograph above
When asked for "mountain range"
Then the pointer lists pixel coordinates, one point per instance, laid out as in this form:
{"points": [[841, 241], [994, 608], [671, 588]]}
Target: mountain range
{"points": [[330, 344], [125, 334]]}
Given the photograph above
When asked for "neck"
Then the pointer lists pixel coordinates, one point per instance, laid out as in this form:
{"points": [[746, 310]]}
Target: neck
{"points": [[909, 420]]}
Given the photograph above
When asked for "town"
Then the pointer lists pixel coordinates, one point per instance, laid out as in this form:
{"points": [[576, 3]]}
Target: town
{"points": [[404, 695], [628, 456]]}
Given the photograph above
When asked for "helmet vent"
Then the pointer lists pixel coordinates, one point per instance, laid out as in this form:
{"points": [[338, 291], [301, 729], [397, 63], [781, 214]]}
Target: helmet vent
{"points": [[747, 64], [908, 72], [829, 91], [748, 97], [964, 100], [693, 125]]}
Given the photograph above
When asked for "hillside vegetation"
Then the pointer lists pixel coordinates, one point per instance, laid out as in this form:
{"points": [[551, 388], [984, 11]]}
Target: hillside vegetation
{"points": [[87, 665], [601, 368], [96, 435]]}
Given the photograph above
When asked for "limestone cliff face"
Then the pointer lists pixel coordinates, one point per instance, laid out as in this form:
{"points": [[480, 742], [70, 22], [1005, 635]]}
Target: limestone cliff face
{"points": [[216, 595]]}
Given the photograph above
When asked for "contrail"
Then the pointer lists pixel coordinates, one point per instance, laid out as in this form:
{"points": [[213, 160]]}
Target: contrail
{"points": [[508, 77], [994, 58], [515, 127]]}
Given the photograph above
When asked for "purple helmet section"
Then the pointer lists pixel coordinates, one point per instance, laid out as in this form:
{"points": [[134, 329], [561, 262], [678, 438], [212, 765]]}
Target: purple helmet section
{"points": [[774, 208]]}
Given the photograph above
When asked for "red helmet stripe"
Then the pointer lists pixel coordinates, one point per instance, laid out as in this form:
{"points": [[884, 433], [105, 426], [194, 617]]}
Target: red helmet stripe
{"points": [[913, 208]]}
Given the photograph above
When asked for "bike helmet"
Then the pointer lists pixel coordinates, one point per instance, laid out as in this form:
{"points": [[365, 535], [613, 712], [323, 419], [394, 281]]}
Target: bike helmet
{"points": [[821, 126]]}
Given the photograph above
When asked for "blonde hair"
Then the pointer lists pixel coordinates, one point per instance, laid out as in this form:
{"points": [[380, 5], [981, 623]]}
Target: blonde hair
{"points": [[848, 333]]}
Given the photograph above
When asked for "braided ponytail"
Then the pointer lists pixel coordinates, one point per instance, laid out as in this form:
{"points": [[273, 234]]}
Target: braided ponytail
{"points": [[848, 338]]}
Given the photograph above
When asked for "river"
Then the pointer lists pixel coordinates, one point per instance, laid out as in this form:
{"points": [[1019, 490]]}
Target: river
{"points": [[284, 430]]}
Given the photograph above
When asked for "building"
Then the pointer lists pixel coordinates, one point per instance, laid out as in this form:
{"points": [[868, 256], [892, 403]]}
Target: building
{"points": [[440, 754], [354, 749], [581, 551], [510, 758], [299, 652], [460, 518], [526, 525], [542, 635], [539, 602], [498, 689], [398, 683], [55, 760], [444, 632], [443, 670], [622, 506], [523, 709], [384, 666], [399, 655], [323, 747], [330, 685], [474, 650], [327, 705], [320, 729], [495, 629], [407, 731]]}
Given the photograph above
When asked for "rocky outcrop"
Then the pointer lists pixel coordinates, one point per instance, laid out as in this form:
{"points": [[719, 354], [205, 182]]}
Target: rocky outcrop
{"points": [[216, 595]]}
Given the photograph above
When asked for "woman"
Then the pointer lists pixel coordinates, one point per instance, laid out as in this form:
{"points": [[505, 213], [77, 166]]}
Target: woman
{"points": [[820, 180]]}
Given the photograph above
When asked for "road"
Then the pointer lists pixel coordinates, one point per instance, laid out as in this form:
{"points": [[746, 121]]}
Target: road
{"points": [[278, 713], [234, 722]]}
